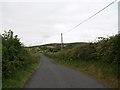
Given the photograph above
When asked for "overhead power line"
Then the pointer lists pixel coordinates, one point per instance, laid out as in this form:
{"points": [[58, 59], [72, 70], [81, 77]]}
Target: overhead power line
{"points": [[87, 18], [90, 17]]}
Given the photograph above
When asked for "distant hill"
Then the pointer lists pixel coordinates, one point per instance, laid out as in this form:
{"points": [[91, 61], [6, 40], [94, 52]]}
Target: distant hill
{"points": [[54, 47], [58, 44]]}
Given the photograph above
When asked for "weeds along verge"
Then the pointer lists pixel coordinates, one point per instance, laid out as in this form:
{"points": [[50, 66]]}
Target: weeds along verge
{"points": [[101, 58], [16, 58]]}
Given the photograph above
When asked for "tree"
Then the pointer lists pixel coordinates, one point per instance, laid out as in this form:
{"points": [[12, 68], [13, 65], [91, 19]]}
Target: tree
{"points": [[12, 53]]}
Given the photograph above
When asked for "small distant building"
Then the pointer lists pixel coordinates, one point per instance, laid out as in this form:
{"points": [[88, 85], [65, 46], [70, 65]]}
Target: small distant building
{"points": [[50, 47]]}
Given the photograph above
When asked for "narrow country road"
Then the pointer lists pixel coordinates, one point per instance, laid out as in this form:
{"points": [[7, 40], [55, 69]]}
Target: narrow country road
{"points": [[51, 75]]}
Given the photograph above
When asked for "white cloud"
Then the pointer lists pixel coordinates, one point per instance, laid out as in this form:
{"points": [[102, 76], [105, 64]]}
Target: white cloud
{"points": [[39, 22], [0, 16]]}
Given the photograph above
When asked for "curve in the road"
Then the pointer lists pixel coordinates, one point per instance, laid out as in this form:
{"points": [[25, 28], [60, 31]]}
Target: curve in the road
{"points": [[51, 75]]}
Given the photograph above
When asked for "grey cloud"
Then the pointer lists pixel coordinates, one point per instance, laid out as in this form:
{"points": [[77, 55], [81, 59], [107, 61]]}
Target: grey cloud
{"points": [[38, 22]]}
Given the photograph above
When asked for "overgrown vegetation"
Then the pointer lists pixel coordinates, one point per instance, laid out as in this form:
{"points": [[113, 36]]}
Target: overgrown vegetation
{"points": [[18, 62], [0, 62], [101, 58]]}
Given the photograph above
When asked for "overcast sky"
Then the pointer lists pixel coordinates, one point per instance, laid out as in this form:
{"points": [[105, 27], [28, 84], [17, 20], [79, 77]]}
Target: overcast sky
{"points": [[41, 21]]}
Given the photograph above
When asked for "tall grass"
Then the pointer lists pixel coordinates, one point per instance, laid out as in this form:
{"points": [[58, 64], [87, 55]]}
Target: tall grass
{"points": [[18, 62], [100, 59], [19, 77], [104, 72]]}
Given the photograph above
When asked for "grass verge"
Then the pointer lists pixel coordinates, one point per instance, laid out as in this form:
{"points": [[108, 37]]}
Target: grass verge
{"points": [[103, 72], [21, 76]]}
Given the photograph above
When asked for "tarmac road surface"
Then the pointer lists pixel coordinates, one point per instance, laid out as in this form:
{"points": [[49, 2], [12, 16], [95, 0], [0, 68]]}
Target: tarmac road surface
{"points": [[51, 75]]}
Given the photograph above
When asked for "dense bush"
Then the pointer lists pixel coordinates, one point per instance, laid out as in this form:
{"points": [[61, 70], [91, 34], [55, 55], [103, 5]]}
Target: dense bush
{"points": [[14, 55], [100, 59], [106, 50]]}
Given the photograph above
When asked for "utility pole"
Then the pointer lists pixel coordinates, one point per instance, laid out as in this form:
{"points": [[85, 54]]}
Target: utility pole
{"points": [[61, 41]]}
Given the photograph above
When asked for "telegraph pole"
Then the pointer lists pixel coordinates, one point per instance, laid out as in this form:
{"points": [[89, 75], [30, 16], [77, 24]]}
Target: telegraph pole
{"points": [[61, 41]]}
